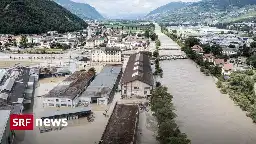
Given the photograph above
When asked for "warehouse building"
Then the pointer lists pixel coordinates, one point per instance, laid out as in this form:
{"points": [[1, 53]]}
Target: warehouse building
{"points": [[103, 87], [14, 85], [6, 135], [137, 79], [66, 93]]}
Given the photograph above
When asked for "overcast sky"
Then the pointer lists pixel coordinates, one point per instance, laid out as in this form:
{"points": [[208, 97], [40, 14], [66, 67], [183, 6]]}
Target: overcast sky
{"points": [[112, 8]]}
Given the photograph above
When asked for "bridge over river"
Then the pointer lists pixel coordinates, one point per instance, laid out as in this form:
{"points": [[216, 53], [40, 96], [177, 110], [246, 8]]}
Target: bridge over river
{"points": [[203, 113], [168, 49]]}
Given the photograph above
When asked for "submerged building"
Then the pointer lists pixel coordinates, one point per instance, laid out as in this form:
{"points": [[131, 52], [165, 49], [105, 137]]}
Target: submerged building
{"points": [[17, 86], [67, 92], [103, 87], [137, 79]]}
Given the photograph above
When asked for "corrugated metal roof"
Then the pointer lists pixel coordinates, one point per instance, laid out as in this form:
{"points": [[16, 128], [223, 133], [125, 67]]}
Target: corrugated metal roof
{"points": [[4, 116], [8, 84], [2, 74], [72, 85], [103, 83]]}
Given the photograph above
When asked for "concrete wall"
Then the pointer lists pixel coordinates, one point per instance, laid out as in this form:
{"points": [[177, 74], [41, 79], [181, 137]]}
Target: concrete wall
{"points": [[52, 102], [136, 88]]}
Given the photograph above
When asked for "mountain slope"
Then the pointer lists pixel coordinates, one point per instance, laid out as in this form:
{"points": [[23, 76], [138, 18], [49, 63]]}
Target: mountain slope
{"points": [[168, 7], [82, 10], [209, 11], [36, 16]]}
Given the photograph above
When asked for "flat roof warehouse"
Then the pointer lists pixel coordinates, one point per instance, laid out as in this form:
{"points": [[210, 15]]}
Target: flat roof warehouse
{"points": [[104, 83], [71, 86], [13, 83], [13, 95]]}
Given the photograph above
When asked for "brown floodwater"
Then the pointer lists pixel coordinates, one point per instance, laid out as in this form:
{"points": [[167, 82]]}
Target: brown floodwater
{"points": [[203, 113]]}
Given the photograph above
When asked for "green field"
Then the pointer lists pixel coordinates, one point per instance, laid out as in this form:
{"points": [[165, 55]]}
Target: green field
{"points": [[44, 50], [129, 26]]}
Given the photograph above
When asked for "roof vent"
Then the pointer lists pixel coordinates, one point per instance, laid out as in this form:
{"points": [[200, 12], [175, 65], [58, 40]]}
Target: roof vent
{"points": [[136, 63], [135, 74], [137, 58]]}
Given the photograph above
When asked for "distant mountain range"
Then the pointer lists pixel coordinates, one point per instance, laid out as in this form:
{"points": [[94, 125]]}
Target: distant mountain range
{"points": [[84, 11], [36, 16], [168, 8], [205, 11]]}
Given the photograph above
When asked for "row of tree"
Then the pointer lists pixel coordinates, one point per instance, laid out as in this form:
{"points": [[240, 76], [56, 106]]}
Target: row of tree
{"points": [[172, 35], [250, 53], [150, 34], [162, 106], [158, 69]]}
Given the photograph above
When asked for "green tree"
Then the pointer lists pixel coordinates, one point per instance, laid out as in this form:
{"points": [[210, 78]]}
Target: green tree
{"points": [[191, 41], [146, 34], [232, 46], [216, 50], [252, 61], [246, 51], [219, 84], [249, 72], [24, 41], [206, 48], [216, 71], [168, 131], [174, 31], [158, 43], [155, 53], [158, 84], [153, 36], [253, 44]]}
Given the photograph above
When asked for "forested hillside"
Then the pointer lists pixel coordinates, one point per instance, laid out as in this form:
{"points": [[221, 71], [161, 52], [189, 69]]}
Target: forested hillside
{"points": [[36, 16]]}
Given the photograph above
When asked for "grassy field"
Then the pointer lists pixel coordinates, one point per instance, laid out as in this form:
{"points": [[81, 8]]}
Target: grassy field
{"points": [[242, 17], [43, 50], [7, 64], [128, 26]]}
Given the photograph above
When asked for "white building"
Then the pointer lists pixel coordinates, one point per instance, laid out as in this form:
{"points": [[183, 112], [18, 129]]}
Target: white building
{"points": [[90, 43], [106, 54], [227, 69], [99, 41], [229, 51], [137, 78], [67, 92]]}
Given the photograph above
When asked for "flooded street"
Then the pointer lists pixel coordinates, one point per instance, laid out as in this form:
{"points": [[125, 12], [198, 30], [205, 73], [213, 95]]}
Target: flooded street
{"points": [[204, 114]]}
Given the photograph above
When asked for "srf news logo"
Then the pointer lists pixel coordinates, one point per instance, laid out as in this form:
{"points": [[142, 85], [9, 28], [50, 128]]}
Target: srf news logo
{"points": [[26, 122]]}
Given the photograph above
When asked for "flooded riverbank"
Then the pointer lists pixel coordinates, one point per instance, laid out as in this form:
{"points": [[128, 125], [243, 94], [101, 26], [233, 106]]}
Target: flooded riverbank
{"points": [[204, 114]]}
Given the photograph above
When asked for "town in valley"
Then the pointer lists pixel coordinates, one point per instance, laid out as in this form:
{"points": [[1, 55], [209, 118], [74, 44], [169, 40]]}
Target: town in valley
{"points": [[157, 79]]}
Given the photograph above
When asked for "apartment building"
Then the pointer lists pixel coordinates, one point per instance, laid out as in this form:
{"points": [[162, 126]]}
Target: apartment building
{"points": [[106, 54]]}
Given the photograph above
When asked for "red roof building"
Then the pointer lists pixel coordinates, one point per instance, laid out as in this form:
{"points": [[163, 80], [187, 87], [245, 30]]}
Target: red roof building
{"points": [[198, 49], [219, 62]]}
